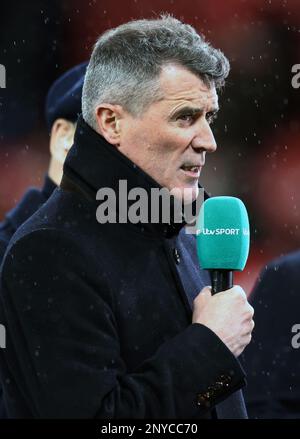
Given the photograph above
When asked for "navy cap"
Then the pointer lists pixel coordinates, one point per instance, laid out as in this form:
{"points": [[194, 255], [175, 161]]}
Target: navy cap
{"points": [[64, 97]]}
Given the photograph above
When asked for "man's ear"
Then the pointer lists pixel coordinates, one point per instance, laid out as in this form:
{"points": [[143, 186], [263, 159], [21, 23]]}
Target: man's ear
{"points": [[61, 139], [109, 117]]}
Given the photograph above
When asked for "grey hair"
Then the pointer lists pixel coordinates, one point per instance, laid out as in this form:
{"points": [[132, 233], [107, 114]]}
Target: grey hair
{"points": [[126, 62]]}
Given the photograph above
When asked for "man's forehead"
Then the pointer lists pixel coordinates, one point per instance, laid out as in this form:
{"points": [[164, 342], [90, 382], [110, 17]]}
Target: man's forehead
{"points": [[178, 83]]}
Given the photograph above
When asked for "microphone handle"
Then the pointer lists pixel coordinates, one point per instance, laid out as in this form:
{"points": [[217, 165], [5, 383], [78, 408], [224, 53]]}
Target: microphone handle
{"points": [[221, 280]]}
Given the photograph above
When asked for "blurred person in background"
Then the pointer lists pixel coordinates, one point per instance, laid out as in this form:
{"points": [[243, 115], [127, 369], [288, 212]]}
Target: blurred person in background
{"points": [[63, 105], [272, 360]]}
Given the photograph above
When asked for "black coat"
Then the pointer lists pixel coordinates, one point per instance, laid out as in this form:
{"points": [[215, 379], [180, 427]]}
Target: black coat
{"points": [[29, 204], [272, 364], [99, 316]]}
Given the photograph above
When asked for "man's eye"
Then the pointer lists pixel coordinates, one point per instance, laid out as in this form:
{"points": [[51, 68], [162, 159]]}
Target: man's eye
{"points": [[210, 117], [186, 117]]}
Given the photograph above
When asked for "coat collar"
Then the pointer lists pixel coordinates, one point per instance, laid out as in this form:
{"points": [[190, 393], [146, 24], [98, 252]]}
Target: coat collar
{"points": [[93, 163]]}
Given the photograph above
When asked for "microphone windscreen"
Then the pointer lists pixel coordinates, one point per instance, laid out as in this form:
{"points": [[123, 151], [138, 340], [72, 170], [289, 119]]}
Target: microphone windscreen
{"points": [[223, 234]]}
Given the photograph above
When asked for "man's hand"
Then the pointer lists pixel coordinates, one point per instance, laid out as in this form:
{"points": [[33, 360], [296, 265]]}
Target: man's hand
{"points": [[228, 314]]}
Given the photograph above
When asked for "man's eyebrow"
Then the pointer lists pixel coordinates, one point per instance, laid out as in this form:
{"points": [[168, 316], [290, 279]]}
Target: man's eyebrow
{"points": [[193, 111]]}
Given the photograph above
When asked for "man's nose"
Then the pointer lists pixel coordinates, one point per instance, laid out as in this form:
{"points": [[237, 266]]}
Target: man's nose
{"points": [[204, 140]]}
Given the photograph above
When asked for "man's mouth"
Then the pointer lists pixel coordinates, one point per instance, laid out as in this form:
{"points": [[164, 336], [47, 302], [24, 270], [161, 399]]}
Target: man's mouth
{"points": [[191, 170]]}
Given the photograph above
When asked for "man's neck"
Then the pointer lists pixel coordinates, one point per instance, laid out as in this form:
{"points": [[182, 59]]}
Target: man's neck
{"points": [[55, 171]]}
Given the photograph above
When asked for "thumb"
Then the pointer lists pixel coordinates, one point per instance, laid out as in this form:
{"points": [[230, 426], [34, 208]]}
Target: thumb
{"points": [[204, 294], [206, 291]]}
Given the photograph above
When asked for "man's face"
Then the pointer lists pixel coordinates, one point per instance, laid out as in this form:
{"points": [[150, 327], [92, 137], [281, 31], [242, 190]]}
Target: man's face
{"points": [[170, 139]]}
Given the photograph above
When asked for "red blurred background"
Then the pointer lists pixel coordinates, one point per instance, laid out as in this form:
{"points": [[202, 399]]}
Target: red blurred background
{"points": [[258, 158]]}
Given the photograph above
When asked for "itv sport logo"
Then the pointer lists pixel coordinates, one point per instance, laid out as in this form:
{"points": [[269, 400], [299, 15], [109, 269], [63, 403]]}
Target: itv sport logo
{"points": [[227, 231]]}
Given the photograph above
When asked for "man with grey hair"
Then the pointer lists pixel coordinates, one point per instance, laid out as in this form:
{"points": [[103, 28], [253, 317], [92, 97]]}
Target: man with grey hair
{"points": [[104, 318]]}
